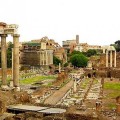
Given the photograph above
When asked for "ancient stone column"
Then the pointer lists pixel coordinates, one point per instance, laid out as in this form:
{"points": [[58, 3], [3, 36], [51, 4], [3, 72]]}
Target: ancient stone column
{"points": [[106, 58], [43, 58], [103, 50], [52, 57], [16, 60], [102, 87], [46, 58], [74, 86], [102, 82], [59, 67], [40, 58], [111, 58], [4, 60], [114, 58]]}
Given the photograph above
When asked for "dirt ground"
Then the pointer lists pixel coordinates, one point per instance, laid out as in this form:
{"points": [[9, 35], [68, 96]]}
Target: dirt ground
{"points": [[12, 97]]}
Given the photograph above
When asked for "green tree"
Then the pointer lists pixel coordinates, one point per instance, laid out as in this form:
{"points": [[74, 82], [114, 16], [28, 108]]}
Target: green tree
{"points": [[79, 60], [75, 52], [56, 61], [91, 52], [117, 45], [66, 64], [9, 55]]}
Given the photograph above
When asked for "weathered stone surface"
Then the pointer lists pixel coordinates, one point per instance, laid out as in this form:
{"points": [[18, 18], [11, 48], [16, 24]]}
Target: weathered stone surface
{"points": [[2, 106]]}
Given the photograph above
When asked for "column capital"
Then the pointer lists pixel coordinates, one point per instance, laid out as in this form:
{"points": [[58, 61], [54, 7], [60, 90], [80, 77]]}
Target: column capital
{"points": [[3, 35], [16, 35]]}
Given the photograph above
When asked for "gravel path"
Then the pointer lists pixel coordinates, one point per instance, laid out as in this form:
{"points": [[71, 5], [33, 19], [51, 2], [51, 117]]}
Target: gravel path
{"points": [[59, 94]]}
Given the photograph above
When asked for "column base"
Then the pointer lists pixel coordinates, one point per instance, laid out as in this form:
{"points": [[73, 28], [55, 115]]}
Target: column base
{"points": [[16, 89], [5, 87], [11, 83]]}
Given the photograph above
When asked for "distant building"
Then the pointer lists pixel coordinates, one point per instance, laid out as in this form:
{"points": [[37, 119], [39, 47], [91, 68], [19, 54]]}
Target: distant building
{"points": [[61, 53], [40, 52], [69, 45], [84, 47]]}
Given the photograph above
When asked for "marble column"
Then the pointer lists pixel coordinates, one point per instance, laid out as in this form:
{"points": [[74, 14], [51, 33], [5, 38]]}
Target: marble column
{"points": [[103, 50], [46, 58], [43, 58], [40, 58], [51, 58], [106, 58], [4, 60], [114, 58], [16, 60], [74, 86], [111, 58], [59, 67]]}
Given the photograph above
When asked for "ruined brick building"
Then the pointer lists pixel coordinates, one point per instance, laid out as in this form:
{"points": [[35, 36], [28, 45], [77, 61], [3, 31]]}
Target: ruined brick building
{"points": [[40, 52]]}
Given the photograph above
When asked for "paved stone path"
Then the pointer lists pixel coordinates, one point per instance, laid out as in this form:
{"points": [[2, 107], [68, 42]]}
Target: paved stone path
{"points": [[59, 94]]}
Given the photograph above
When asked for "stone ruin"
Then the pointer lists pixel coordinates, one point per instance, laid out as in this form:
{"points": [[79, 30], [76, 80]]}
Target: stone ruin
{"points": [[5, 30]]}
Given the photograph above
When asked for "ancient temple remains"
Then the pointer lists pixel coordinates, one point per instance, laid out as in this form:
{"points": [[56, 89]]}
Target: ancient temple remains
{"points": [[110, 57], [5, 30]]}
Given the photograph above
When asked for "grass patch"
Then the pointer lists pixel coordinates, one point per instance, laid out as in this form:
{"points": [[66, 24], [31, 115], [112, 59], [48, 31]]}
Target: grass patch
{"points": [[85, 83], [112, 86], [95, 81], [111, 105], [35, 79], [113, 94], [26, 75]]}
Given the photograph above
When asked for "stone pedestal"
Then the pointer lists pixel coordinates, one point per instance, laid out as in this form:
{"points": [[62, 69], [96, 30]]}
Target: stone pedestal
{"points": [[16, 60], [98, 106], [4, 59], [5, 87], [16, 89], [11, 83]]}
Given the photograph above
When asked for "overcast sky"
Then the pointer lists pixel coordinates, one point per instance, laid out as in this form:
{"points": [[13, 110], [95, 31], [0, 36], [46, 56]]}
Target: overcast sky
{"points": [[96, 22]]}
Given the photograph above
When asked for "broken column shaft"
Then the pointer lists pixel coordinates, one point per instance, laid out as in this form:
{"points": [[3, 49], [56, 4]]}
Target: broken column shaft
{"points": [[4, 60]]}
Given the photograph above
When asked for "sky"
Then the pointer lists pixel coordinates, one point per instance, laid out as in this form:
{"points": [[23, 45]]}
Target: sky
{"points": [[97, 22]]}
